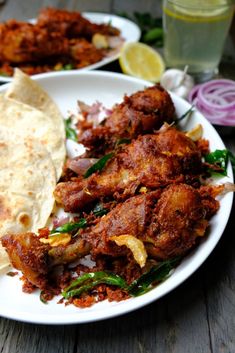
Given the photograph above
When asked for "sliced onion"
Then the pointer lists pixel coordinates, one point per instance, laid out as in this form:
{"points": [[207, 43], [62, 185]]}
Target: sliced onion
{"points": [[94, 113], [80, 165], [215, 100]]}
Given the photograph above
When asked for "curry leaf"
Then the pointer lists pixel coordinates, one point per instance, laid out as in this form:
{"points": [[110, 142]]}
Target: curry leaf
{"points": [[99, 210], [157, 273], [99, 165], [70, 226], [88, 281], [140, 286], [70, 132], [218, 158]]}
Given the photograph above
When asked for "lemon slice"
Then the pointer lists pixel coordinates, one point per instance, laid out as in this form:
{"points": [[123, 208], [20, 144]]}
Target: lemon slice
{"points": [[142, 61]]}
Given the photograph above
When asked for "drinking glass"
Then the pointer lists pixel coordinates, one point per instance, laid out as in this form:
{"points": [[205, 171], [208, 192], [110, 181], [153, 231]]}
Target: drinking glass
{"points": [[195, 33]]}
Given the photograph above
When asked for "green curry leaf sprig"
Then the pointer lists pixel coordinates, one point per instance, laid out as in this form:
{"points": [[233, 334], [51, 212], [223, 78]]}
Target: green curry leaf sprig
{"points": [[69, 130], [143, 284], [218, 161]]}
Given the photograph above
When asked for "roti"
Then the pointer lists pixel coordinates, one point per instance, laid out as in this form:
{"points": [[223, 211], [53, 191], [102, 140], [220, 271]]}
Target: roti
{"points": [[27, 182], [30, 122], [27, 91]]}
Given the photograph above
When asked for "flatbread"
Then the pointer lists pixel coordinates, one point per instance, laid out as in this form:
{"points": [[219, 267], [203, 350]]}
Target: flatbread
{"points": [[27, 182], [31, 122], [28, 91]]}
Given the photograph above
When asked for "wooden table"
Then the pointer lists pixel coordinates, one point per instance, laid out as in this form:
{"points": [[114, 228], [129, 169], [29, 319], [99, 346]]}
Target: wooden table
{"points": [[197, 317]]}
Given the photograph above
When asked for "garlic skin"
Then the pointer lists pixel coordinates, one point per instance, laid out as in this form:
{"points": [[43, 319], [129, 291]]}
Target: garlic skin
{"points": [[178, 82]]}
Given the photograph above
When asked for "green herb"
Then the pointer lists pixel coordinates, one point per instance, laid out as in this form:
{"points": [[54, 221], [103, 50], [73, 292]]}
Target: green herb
{"points": [[42, 297], [70, 226], [157, 273], [99, 210], [123, 141], [99, 165], [68, 67], [218, 158], [70, 132], [151, 27], [153, 35], [140, 286], [186, 114], [90, 280]]}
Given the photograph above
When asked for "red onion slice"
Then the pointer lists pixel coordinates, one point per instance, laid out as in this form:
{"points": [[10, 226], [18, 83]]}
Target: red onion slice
{"points": [[216, 101], [80, 165]]}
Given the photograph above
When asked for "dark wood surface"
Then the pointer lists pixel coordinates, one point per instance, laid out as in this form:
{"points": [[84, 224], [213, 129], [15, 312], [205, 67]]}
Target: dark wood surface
{"points": [[197, 317]]}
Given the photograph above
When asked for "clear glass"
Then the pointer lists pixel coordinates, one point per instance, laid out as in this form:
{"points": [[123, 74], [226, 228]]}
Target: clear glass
{"points": [[195, 33]]}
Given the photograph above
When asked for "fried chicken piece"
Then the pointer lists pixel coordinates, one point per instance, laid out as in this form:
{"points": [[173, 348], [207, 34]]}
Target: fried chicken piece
{"points": [[28, 45], [141, 113], [84, 53], [24, 42], [151, 161], [28, 255], [168, 222], [34, 260], [72, 24]]}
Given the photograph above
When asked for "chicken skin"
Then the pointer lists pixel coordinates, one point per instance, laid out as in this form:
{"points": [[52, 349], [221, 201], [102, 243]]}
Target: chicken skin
{"points": [[57, 39], [72, 24], [22, 42], [168, 222], [151, 161], [141, 113]]}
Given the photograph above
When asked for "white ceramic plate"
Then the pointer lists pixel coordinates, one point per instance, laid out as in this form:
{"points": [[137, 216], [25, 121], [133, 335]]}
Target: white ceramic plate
{"points": [[109, 88], [130, 32]]}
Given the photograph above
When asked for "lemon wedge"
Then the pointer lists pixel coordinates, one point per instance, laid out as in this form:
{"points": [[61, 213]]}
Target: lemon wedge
{"points": [[142, 61]]}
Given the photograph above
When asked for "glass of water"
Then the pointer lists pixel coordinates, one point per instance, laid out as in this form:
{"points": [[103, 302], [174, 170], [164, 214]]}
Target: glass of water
{"points": [[195, 33]]}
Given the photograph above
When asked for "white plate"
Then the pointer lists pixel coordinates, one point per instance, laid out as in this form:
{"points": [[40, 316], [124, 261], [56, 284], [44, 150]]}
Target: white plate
{"points": [[130, 32], [109, 88]]}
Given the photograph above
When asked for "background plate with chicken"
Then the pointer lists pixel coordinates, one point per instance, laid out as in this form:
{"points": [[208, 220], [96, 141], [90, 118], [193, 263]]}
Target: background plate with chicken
{"points": [[66, 88], [129, 32]]}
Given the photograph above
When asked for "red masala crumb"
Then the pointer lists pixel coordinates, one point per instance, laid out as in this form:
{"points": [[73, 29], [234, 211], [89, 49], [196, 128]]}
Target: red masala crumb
{"points": [[203, 146], [116, 294], [44, 232], [27, 287], [84, 302]]}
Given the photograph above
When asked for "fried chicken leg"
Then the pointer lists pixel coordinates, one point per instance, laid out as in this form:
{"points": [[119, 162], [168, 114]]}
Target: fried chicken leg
{"points": [[151, 161], [168, 222], [22, 42], [72, 24], [141, 113]]}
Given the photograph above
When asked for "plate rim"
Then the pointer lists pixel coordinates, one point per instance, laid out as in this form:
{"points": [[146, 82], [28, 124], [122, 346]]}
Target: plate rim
{"points": [[104, 61], [148, 298]]}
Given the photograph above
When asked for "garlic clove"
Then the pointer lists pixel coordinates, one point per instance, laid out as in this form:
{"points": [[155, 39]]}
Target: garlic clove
{"points": [[177, 81]]}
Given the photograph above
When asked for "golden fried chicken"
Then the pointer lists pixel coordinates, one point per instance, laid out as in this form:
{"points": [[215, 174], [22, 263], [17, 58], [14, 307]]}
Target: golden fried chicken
{"points": [[24, 42], [168, 222], [82, 53], [151, 161], [59, 38], [141, 113], [72, 24], [28, 255]]}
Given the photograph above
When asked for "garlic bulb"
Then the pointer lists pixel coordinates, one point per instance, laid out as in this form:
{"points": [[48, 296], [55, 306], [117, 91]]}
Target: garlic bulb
{"points": [[177, 81]]}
